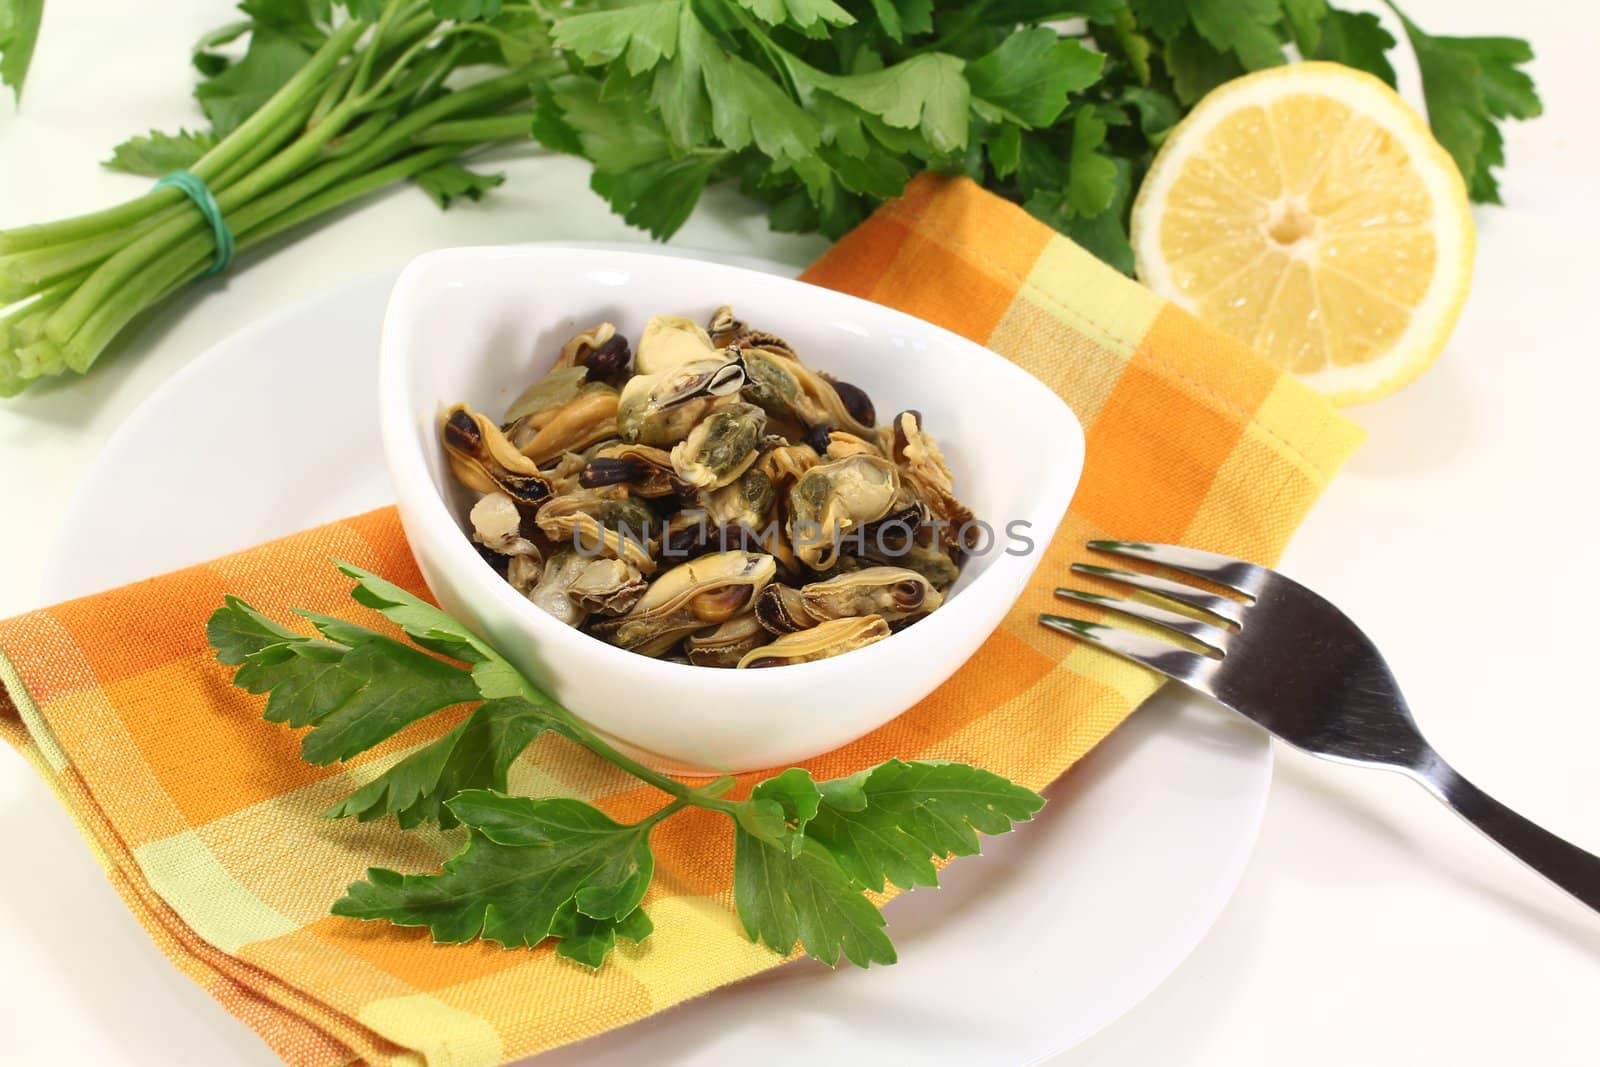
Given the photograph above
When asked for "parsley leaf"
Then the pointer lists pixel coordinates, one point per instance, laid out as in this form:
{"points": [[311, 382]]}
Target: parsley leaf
{"points": [[1357, 39], [805, 896], [1469, 83], [237, 92], [1243, 27], [1027, 78], [927, 93], [475, 755], [19, 33], [160, 153], [889, 823], [449, 181], [529, 866], [644, 33], [354, 689]]}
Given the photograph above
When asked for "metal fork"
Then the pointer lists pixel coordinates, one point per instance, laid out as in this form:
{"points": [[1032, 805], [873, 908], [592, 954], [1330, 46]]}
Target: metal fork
{"points": [[1288, 660]]}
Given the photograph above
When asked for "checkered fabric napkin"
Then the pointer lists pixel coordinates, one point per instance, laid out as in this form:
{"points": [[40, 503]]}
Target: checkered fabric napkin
{"points": [[204, 816]]}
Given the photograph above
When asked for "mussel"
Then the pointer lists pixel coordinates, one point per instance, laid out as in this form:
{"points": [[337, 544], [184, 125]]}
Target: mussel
{"points": [[668, 342], [894, 593], [923, 468], [599, 523], [497, 525], [833, 499], [780, 609], [483, 460], [698, 595], [728, 643], [661, 409], [831, 638], [721, 447]]}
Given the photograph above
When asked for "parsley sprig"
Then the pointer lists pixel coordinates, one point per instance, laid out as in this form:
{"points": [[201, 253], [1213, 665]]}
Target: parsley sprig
{"points": [[537, 868], [820, 109]]}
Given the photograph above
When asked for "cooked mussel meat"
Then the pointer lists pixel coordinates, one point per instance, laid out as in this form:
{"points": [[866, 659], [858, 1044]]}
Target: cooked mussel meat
{"points": [[661, 409], [831, 638], [698, 595], [833, 499], [483, 460], [708, 498], [721, 447], [895, 593], [728, 643]]}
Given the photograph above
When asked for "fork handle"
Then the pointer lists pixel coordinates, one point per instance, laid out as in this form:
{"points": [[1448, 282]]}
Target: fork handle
{"points": [[1565, 864]]}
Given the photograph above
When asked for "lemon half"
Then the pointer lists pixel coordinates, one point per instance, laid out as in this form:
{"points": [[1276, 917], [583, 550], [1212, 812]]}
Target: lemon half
{"points": [[1308, 211]]}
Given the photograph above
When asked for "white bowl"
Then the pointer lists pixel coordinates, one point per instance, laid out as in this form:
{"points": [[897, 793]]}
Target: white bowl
{"points": [[479, 324]]}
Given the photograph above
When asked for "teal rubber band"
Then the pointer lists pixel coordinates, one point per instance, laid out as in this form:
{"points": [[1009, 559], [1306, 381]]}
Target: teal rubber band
{"points": [[197, 191]]}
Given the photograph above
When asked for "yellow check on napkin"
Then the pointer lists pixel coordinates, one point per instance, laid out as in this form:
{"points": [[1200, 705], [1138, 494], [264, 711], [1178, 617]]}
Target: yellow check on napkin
{"points": [[205, 818]]}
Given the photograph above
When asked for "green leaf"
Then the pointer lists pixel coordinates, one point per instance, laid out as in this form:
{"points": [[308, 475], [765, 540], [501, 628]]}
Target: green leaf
{"points": [[466, 10], [804, 14], [645, 33], [386, 685], [237, 92], [1357, 40], [354, 689], [748, 107], [369, 10], [900, 19], [1469, 83], [304, 20], [475, 755], [1243, 27], [657, 196], [529, 867], [210, 63], [1196, 67], [1136, 47], [1030, 74], [19, 33], [449, 181], [1104, 235], [891, 822], [927, 93], [1005, 150], [795, 792], [1091, 175], [1305, 23], [438, 631], [1158, 112], [782, 897], [1164, 18]]}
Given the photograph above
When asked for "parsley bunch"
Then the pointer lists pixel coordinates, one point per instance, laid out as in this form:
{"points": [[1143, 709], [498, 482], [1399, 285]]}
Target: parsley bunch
{"points": [[821, 109], [805, 852]]}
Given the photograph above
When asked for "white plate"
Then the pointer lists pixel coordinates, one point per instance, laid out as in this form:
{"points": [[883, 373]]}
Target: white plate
{"points": [[1056, 931]]}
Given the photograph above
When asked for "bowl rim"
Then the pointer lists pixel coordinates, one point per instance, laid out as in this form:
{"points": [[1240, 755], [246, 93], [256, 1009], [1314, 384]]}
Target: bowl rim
{"points": [[413, 484]]}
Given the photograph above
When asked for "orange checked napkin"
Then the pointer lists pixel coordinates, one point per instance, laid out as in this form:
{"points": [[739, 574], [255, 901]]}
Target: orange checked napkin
{"points": [[205, 817]]}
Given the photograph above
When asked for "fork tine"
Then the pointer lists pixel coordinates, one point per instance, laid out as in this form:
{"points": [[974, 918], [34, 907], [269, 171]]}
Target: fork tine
{"points": [[1235, 574], [1176, 663], [1220, 606], [1213, 637]]}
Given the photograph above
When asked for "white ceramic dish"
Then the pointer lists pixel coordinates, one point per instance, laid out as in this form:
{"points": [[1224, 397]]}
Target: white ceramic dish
{"points": [[479, 324], [1056, 931]]}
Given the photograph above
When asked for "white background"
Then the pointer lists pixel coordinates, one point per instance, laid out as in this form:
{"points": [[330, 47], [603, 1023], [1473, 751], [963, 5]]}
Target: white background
{"points": [[1370, 927]]}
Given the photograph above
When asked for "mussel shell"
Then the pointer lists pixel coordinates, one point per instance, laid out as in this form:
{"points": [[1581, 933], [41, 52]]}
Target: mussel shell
{"points": [[831, 638]]}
